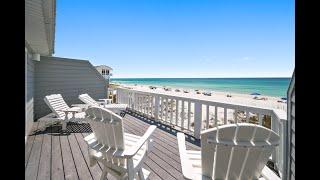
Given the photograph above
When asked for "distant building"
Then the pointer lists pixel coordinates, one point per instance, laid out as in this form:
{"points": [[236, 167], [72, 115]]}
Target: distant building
{"points": [[105, 71]]}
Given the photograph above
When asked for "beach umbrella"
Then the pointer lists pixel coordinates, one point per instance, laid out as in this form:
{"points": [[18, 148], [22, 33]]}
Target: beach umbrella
{"points": [[284, 98], [255, 93]]}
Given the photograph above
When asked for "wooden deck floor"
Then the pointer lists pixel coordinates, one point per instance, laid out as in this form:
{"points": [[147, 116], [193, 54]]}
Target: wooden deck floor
{"points": [[52, 155]]}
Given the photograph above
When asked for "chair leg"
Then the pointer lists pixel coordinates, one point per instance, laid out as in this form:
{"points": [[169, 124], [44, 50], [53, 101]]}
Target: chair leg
{"points": [[92, 160], [64, 126], [140, 174], [104, 174], [149, 145]]}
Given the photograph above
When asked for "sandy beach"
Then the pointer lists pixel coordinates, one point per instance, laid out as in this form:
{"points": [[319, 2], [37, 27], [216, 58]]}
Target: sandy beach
{"points": [[237, 98]]}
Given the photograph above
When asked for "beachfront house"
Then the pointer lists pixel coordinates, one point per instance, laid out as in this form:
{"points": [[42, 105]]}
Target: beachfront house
{"points": [[50, 154], [105, 71]]}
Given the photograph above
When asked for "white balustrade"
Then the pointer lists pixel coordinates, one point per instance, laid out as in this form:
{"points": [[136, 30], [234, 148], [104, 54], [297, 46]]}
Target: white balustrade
{"points": [[177, 110]]}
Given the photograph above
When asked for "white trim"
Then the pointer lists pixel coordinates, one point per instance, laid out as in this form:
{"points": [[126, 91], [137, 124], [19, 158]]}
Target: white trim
{"points": [[25, 91]]}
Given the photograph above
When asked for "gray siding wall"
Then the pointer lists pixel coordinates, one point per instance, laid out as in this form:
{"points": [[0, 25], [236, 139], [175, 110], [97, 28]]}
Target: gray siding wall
{"points": [[291, 129], [29, 93], [68, 77]]}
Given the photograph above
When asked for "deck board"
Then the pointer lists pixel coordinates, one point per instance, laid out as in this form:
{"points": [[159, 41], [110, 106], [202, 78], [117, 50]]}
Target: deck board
{"points": [[166, 143], [70, 172], [34, 159], [95, 170], [67, 154], [81, 165], [29, 144], [45, 160], [56, 166]]}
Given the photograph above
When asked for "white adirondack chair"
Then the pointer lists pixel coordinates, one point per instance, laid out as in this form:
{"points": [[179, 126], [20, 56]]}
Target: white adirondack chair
{"points": [[63, 112], [233, 151], [91, 102], [122, 154]]}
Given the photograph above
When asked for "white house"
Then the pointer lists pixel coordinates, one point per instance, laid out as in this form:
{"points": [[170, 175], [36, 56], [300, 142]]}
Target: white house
{"points": [[105, 71]]}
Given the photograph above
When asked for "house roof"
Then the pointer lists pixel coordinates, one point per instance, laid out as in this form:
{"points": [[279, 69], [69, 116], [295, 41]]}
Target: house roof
{"points": [[40, 21], [104, 67]]}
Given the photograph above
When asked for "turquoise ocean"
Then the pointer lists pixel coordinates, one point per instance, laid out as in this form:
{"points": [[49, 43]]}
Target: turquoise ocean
{"points": [[276, 87]]}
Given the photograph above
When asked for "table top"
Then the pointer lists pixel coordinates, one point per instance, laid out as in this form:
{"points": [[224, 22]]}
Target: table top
{"points": [[80, 105], [120, 106], [73, 109]]}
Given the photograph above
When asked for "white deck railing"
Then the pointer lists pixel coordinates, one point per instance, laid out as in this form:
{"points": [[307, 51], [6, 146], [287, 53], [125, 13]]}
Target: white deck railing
{"points": [[192, 115]]}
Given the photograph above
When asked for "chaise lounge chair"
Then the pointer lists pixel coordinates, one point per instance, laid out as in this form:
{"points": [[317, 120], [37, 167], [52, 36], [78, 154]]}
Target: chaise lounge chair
{"points": [[117, 108], [233, 151], [122, 154], [62, 111]]}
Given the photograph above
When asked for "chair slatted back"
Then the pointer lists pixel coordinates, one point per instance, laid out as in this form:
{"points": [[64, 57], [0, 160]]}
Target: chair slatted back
{"points": [[108, 130], [236, 151], [88, 99], [56, 103]]}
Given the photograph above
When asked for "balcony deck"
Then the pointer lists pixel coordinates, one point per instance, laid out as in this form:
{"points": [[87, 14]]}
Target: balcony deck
{"points": [[52, 155]]}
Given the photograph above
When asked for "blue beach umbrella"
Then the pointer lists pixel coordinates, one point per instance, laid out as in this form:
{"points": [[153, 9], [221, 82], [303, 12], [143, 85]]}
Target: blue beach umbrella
{"points": [[255, 93], [284, 98]]}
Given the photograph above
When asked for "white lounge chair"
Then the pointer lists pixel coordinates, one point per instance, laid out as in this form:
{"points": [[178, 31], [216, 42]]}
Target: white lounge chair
{"points": [[233, 151], [62, 111], [122, 154], [117, 108]]}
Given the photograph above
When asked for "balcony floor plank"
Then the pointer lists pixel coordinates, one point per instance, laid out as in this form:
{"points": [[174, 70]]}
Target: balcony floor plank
{"points": [[56, 166], [29, 143], [45, 160], [68, 153], [70, 172], [32, 165], [81, 165]]}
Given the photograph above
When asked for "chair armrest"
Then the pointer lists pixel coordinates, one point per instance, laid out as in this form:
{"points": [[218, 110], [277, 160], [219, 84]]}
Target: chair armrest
{"points": [[133, 150], [105, 100], [75, 109], [72, 110], [185, 163], [67, 110], [102, 102], [80, 105]]}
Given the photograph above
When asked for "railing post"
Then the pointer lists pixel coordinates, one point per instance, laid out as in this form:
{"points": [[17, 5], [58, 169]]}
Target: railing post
{"points": [[285, 150], [274, 127], [118, 95], [182, 115], [197, 119], [156, 107], [132, 100]]}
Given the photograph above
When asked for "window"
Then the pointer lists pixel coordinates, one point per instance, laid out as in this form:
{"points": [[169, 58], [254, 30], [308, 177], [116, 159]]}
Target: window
{"points": [[103, 71]]}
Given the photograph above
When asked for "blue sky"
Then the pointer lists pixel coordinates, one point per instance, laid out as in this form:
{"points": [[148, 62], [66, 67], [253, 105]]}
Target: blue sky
{"points": [[179, 38]]}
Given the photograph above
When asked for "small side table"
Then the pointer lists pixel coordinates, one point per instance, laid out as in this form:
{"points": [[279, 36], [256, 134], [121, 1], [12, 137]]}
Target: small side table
{"points": [[108, 101], [82, 107]]}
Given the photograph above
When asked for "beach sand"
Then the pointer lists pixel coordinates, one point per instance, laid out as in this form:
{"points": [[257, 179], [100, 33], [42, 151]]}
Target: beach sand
{"points": [[245, 99]]}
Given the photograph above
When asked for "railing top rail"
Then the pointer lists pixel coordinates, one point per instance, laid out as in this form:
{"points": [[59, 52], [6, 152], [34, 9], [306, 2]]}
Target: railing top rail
{"points": [[281, 114]]}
